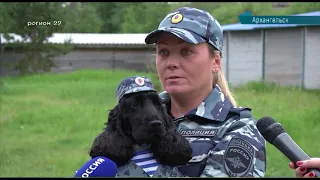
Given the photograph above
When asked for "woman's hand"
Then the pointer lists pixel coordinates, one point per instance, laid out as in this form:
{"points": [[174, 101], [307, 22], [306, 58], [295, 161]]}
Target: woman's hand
{"points": [[302, 166]]}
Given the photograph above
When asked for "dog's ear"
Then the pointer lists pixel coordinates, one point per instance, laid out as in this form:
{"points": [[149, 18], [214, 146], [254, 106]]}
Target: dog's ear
{"points": [[112, 142], [168, 122], [173, 149], [114, 119]]}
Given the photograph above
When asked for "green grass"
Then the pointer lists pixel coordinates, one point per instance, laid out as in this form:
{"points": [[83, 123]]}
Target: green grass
{"points": [[48, 122]]}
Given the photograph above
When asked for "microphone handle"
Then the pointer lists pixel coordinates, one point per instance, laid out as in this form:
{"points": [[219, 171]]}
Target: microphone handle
{"points": [[292, 151]]}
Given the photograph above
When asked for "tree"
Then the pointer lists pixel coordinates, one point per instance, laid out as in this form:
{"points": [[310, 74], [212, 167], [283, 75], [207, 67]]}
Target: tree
{"points": [[82, 18], [143, 17], [111, 15], [35, 23], [302, 7], [208, 6], [4, 18], [5, 22]]}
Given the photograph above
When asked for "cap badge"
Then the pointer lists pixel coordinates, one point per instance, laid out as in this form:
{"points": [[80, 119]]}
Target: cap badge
{"points": [[139, 81], [176, 18]]}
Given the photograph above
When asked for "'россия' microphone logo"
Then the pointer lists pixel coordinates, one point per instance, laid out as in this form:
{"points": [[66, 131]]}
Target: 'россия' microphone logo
{"points": [[92, 167]]}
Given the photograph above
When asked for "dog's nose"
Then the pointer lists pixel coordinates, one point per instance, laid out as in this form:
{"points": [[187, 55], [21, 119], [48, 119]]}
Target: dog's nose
{"points": [[155, 123]]}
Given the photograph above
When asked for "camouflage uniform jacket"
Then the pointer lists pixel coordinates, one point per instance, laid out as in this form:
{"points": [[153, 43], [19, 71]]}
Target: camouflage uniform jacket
{"points": [[224, 139]]}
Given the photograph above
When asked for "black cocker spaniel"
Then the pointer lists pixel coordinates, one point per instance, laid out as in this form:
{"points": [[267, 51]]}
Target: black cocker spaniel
{"points": [[140, 118]]}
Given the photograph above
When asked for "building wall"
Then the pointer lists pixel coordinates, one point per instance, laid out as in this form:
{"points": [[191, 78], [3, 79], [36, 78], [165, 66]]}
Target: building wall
{"points": [[103, 58], [245, 57], [282, 59], [312, 58], [6, 61], [284, 56]]}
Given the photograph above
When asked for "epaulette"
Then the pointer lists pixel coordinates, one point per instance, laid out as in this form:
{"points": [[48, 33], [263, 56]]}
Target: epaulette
{"points": [[243, 112]]}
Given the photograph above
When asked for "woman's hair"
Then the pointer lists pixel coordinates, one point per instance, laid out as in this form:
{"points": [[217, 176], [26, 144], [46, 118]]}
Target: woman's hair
{"points": [[221, 80]]}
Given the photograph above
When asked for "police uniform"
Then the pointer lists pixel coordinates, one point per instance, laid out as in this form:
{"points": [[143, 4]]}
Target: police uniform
{"points": [[224, 139]]}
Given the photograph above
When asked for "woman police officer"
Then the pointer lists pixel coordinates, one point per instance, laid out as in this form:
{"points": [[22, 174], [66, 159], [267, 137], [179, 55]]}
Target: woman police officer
{"points": [[224, 138]]}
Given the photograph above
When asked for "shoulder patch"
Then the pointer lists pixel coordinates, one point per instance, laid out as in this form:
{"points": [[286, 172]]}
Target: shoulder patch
{"points": [[198, 132], [238, 157]]}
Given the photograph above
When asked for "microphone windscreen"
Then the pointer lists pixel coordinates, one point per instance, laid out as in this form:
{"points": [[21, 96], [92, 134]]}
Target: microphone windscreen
{"points": [[98, 167], [269, 128]]}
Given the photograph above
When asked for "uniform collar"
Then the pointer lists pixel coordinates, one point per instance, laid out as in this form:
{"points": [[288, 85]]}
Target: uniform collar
{"points": [[214, 107]]}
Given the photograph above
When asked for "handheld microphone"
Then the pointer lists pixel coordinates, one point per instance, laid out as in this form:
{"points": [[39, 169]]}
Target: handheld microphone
{"points": [[98, 167], [274, 133]]}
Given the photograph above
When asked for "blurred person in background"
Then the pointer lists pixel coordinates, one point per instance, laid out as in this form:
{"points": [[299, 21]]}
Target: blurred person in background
{"points": [[224, 138]]}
